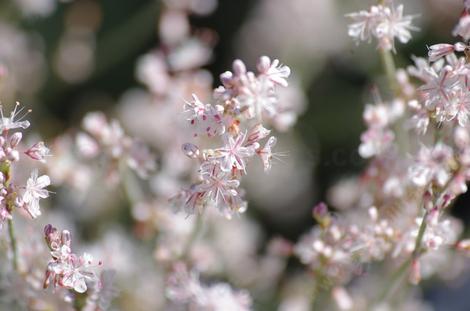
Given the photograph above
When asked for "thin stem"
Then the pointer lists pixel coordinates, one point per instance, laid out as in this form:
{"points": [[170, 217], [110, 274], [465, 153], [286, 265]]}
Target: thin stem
{"points": [[14, 249], [192, 237], [419, 238], [399, 274], [316, 291], [394, 282], [390, 69]]}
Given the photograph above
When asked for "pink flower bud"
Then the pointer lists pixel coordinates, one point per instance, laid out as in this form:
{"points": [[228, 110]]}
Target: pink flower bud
{"points": [[15, 139], [257, 133], [239, 67], [437, 51], [38, 151], [321, 214], [13, 155], [264, 63]]}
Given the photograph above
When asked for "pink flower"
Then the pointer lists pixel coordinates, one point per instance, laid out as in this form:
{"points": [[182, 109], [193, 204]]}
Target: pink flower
{"points": [[234, 152], [66, 269], [204, 118]]}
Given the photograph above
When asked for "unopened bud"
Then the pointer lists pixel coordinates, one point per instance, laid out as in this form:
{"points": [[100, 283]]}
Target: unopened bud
{"points": [[15, 139]]}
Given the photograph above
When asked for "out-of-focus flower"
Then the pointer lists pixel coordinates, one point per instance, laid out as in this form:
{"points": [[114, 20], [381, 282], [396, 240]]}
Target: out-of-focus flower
{"points": [[383, 22], [185, 289]]}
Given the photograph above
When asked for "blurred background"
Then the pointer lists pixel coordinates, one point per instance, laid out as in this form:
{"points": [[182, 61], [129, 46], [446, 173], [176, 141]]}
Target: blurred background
{"points": [[64, 59]]}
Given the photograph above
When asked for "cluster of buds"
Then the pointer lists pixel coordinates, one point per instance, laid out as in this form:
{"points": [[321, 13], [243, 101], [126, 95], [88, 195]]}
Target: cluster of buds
{"points": [[103, 137], [384, 22], [336, 249], [236, 115], [66, 269]]}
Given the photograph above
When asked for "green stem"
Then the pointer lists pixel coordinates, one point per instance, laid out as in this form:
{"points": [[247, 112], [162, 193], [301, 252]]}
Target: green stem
{"points": [[419, 238], [394, 282], [316, 291], [399, 274], [390, 69], [14, 249], [192, 237]]}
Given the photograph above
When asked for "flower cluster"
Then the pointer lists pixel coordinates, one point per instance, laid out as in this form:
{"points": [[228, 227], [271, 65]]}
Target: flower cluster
{"points": [[12, 194], [66, 269], [243, 99], [384, 22], [398, 216], [185, 289], [109, 140]]}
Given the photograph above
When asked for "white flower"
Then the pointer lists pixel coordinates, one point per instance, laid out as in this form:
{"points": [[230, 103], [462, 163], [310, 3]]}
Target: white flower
{"points": [[13, 122], [34, 191], [385, 23], [274, 71], [431, 164]]}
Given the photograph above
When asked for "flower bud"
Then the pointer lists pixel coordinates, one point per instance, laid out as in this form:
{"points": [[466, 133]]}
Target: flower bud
{"points": [[321, 214], [239, 67], [263, 64], [15, 139], [13, 155], [191, 150], [38, 151]]}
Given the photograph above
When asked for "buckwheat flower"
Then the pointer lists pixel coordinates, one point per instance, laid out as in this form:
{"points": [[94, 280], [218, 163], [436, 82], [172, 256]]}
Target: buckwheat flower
{"points": [[463, 28], [66, 269], [362, 29], [431, 164], [218, 184], [394, 25], [234, 152], [87, 146], [141, 159], [266, 154], [274, 71], [204, 118], [185, 290], [14, 121], [440, 85], [459, 107], [375, 141], [438, 51], [384, 22], [257, 133], [34, 191], [38, 151]]}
